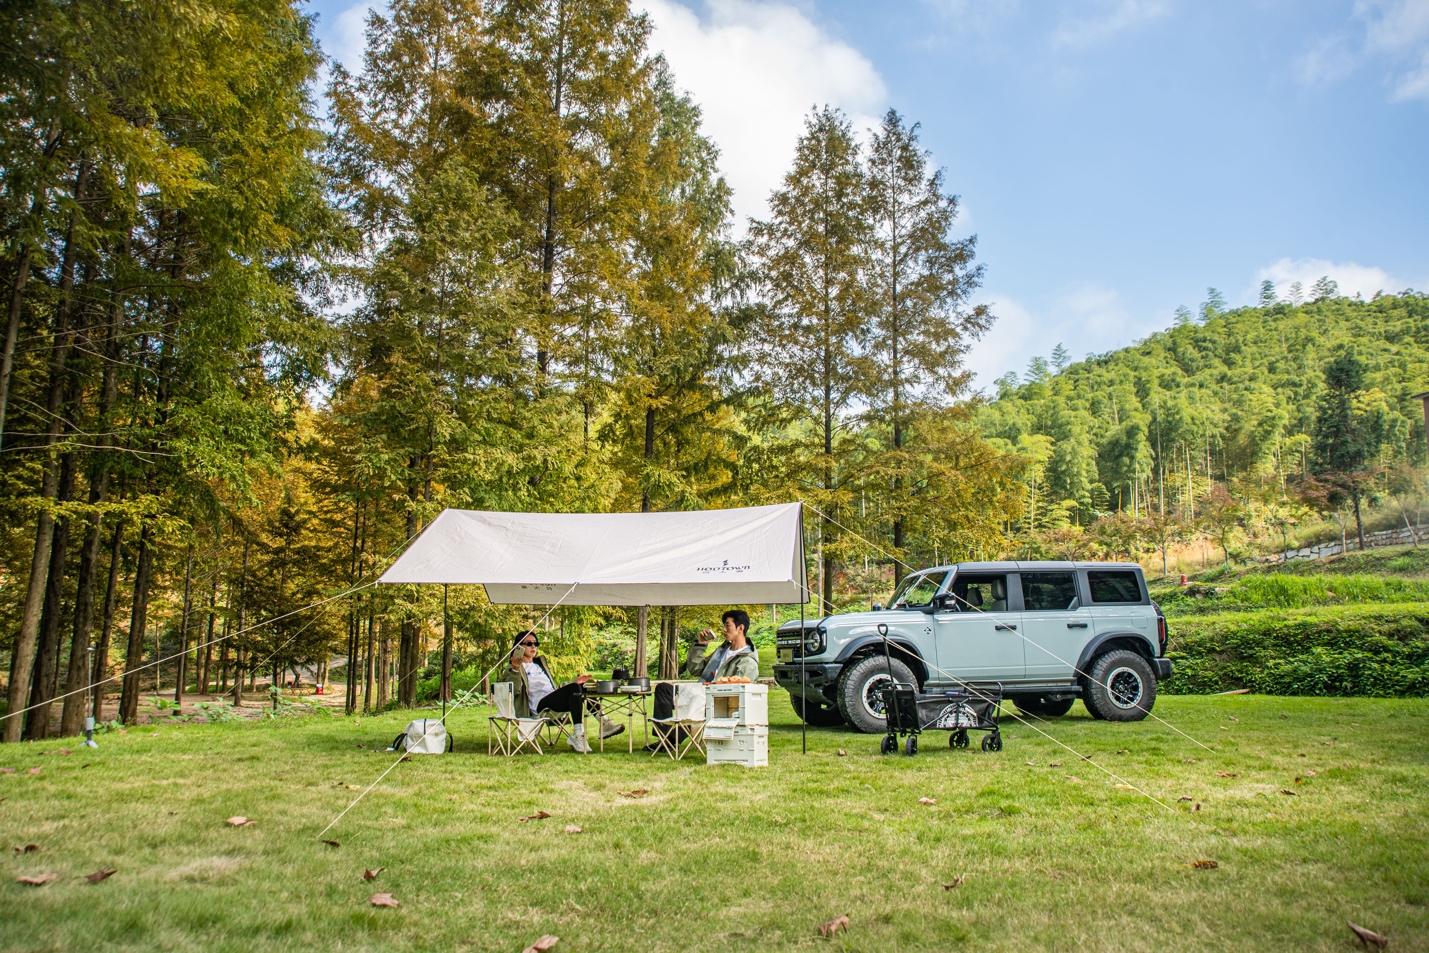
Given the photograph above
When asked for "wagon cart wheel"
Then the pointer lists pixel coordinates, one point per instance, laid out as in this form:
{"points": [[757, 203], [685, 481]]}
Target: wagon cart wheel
{"points": [[959, 739], [992, 742], [889, 744], [911, 745]]}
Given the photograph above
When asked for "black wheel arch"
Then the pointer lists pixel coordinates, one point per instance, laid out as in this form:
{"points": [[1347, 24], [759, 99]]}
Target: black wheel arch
{"points": [[900, 649], [1106, 642]]}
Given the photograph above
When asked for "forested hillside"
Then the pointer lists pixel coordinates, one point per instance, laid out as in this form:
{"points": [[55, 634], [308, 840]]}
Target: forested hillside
{"points": [[1232, 400]]}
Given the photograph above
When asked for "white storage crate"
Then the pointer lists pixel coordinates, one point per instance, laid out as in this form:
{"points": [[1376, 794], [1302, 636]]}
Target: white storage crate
{"points": [[746, 745], [743, 704]]}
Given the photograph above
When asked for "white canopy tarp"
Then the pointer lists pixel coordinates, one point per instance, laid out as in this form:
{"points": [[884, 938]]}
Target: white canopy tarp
{"points": [[695, 558]]}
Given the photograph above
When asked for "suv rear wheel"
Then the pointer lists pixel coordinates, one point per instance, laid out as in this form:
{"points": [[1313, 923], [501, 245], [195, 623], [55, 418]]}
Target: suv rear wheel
{"points": [[1037, 705], [859, 695], [1122, 687], [820, 716]]}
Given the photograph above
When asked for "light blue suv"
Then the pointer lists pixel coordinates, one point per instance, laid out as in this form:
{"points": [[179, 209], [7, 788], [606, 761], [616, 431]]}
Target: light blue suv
{"points": [[1043, 633]]}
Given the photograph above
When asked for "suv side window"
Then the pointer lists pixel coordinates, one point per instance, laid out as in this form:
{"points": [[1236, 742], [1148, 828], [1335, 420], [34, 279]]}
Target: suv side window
{"points": [[981, 592], [1110, 586], [1049, 591]]}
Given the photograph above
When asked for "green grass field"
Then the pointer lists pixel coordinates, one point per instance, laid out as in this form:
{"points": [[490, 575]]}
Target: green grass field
{"points": [[1053, 854]]}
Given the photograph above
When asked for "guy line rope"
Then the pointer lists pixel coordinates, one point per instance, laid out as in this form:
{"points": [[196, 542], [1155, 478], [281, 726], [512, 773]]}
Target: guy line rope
{"points": [[168, 658], [466, 696]]}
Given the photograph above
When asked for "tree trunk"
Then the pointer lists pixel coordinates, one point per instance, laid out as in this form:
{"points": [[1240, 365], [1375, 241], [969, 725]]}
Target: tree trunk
{"points": [[1359, 520], [182, 672], [384, 664], [106, 628], [408, 634], [138, 628], [369, 667], [206, 664], [47, 654], [669, 643], [12, 330], [238, 631]]}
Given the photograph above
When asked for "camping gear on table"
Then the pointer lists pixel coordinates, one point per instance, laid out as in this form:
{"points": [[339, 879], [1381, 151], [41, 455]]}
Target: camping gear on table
{"points": [[621, 701], [636, 685], [423, 736], [737, 724], [606, 686]]}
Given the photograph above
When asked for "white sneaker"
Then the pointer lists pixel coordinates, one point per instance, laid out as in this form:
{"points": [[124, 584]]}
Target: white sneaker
{"points": [[608, 728], [577, 740]]}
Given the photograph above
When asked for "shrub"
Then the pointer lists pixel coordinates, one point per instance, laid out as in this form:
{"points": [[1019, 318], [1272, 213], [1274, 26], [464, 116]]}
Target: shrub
{"points": [[1281, 591], [1363, 650]]}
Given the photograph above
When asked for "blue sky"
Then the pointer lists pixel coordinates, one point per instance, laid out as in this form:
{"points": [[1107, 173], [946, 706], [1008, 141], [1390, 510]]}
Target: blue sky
{"points": [[1114, 157]]}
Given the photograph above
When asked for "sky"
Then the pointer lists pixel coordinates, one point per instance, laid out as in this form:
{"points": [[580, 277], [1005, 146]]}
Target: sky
{"points": [[1114, 158]]}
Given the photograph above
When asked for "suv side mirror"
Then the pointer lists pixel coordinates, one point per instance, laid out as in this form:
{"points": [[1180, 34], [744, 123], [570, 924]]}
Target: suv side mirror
{"points": [[942, 602]]}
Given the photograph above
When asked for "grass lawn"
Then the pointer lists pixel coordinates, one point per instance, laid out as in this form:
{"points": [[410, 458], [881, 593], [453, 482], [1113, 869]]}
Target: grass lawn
{"points": [[1054, 855]]}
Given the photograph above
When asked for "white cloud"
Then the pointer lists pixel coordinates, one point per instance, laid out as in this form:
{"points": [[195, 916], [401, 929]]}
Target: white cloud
{"points": [[1086, 319], [1352, 278], [1390, 35], [756, 68], [1114, 17], [346, 38]]}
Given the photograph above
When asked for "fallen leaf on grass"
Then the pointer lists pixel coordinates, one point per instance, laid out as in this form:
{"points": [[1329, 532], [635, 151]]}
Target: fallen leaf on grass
{"points": [[1289, 792], [1196, 808], [331, 843], [354, 787], [27, 849], [1073, 777], [1366, 937], [1222, 774], [405, 757], [103, 873], [1299, 780], [1204, 864], [7, 770], [1233, 718], [384, 900], [1184, 798], [842, 753], [370, 874], [1124, 751], [1032, 764], [362, 746], [34, 770], [1125, 787], [1054, 764], [638, 792], [1190, 761], [542, 944], [64, 752], [834, 926], [1311, 773], [239, 821], [538, 816], [957, 881], [572, 829], [927, 800], [1222, 727], [38, 881]]}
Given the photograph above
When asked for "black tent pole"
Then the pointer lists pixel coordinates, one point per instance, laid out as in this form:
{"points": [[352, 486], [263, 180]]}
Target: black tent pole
{"points": [[803, 641], [446, 653]]}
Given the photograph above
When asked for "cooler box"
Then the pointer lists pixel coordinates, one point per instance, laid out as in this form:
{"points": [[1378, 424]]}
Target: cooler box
{"points": [[746, 746], [737, 724]]}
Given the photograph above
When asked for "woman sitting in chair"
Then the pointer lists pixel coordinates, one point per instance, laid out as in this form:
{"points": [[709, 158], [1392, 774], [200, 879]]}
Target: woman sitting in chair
{"points": [[534, 692]]}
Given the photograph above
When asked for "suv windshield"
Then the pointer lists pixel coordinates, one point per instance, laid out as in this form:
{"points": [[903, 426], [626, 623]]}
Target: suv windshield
{"points": [[917, 591]]}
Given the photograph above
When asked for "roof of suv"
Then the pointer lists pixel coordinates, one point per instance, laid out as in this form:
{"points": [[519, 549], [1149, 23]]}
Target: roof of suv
{"points": [[1032, 566]]}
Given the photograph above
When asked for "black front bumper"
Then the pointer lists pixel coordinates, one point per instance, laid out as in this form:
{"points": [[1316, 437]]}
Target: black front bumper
{"points": [[816, 677], [1163, 668]]}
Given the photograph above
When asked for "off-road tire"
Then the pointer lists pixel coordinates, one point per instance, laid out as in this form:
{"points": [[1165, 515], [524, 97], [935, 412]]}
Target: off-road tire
{"points": [[858, 681], [1121, 686], [818, 716], [1037, 705]]}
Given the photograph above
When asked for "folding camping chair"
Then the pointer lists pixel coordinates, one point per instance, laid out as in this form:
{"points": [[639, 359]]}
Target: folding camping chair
{"points": [[685, 728], [510, 735], [555, 726]]}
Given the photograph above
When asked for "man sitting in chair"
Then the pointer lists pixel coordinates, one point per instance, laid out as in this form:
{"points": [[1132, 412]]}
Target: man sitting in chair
{"points": [[736, 657], [534, 692]]}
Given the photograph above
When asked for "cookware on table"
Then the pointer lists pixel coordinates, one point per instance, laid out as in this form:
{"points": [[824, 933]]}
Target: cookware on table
{"points": [[638, 684], [606, 686]]}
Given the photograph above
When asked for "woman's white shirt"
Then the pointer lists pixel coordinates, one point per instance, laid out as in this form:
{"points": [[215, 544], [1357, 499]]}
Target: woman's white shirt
{"points": [[538, 684]]}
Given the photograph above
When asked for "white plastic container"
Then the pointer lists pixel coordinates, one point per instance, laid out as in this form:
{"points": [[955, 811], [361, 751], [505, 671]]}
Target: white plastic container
{"points": [[746, 705], [748, 746]]}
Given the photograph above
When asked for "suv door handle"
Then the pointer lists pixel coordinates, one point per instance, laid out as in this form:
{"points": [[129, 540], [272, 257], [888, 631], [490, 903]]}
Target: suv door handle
{"points": [[1002, 625], [1076, 625]]}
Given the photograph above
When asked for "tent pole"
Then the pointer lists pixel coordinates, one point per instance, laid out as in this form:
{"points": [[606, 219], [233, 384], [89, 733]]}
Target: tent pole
{"points": [[803, 661], [445, 681]]}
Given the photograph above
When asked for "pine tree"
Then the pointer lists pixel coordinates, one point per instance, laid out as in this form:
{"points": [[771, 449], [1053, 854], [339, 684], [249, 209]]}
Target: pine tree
{"points": [[1297, 293], [1324, 288], [812, 258], [919, 281], [1061, 357], [1214, 306], [1268, 297]]}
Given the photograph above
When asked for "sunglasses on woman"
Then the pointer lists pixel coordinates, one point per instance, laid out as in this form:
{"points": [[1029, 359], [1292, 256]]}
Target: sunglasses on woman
{"points": [[533, 643]]}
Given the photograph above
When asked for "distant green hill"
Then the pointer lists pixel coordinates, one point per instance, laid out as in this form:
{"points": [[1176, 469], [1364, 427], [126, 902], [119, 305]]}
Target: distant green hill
{"points": [[1228, 398]]}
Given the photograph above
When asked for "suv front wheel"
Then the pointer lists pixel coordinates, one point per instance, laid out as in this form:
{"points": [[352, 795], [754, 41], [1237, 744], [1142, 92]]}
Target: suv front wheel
{"points": [[1122, 687], [859, 696]]}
